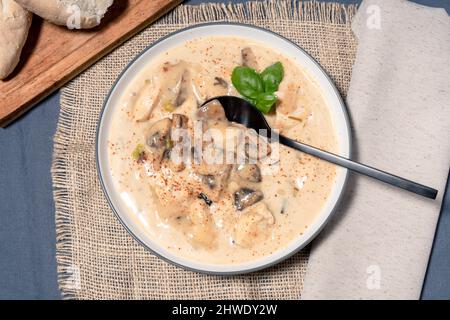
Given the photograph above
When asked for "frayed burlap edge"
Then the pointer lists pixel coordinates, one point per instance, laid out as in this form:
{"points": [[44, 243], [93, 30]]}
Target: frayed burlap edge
{"points": [[62, 196], [314, 11]]}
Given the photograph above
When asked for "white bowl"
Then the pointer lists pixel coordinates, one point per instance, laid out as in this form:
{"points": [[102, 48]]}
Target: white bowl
{"points": [[270, 39]]}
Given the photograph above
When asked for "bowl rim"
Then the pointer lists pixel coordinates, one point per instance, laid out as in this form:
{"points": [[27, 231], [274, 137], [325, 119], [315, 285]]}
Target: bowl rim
{"points": [[275, 261]]}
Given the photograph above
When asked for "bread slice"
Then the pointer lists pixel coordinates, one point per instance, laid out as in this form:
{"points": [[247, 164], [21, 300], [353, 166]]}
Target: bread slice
{"points": [[14, 25], [75, 14]]}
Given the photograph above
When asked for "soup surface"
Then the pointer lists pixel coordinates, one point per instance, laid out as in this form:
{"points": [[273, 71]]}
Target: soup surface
{"points": [[203, 187]]}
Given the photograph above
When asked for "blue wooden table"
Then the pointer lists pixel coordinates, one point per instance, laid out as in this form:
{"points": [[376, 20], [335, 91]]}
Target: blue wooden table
{"points": [[27, 227]]}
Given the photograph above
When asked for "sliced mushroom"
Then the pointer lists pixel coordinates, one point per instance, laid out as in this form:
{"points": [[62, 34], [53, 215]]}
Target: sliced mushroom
{"points": [[249, 172], [245, 197], [249, 58], [175, 89], [211, 111], [157, 139], [215, 184], [158, 134], [184, 89], [218, 81]]}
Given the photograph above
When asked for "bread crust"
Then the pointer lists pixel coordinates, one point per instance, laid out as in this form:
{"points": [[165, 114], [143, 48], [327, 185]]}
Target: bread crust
{"points": [[15, 22], [75, 14]]}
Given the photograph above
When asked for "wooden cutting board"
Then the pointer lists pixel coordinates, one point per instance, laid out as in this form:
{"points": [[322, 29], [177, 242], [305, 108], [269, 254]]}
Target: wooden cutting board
{"points": [[53, 54]]}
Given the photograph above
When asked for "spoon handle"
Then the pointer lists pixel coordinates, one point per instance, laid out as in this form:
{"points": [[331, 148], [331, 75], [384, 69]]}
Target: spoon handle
{"points": [[361, 168]]}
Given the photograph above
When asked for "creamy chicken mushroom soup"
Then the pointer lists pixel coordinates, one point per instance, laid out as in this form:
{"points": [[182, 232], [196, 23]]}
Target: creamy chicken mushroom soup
{"points": [[229, 211]]}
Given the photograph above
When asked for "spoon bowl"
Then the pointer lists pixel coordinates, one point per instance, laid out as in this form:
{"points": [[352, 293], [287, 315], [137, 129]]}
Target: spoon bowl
{"points": [[241, 111]]}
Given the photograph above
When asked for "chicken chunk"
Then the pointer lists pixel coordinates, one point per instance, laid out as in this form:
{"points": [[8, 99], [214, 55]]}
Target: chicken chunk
{"points": [[146, 100], [202, 233], [254, 225]]}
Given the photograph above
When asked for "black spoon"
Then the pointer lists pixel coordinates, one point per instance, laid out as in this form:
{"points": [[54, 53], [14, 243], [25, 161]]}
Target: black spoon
{"points": [[240, 111]]}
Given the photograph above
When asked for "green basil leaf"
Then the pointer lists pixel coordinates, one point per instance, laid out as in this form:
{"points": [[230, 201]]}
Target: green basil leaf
{"points": [[265, 101], [272, 77], [247, 82], [252, 101]]}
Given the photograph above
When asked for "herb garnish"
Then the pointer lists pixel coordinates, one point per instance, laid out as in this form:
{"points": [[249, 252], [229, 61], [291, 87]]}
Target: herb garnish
{"points": [[258, 88], [138, 153]]}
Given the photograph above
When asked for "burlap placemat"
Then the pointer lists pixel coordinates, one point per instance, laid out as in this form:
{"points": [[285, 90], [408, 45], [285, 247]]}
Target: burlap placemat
{"points": [[96, 257]]}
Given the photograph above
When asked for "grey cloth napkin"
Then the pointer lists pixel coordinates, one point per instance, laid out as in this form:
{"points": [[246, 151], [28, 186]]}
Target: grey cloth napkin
{"points": [[378, 244]]}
